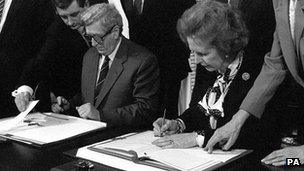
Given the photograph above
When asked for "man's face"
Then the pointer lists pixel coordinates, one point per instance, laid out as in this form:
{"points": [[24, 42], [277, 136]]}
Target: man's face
{"points": [[104, 40], [70, 16]]}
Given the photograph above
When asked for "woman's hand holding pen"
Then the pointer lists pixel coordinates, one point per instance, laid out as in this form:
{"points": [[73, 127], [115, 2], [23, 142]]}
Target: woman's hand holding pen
{"points": [[184, 140], [165, 127]]}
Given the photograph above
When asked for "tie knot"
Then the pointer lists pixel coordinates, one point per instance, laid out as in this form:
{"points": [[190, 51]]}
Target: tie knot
{"points": [[227, 74], [107, 59]]}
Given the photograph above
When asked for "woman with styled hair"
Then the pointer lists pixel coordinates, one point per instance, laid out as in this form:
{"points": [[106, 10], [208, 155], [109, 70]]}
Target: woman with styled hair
{"points": [[217, 36]]}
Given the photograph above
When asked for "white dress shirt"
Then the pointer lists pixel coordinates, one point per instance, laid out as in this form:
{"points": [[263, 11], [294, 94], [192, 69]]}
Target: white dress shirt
{"points": [[111, 56], [292, 11], [7, 5]]}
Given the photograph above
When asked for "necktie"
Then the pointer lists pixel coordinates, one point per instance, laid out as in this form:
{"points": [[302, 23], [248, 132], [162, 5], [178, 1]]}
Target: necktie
{"points": [[1, 8], [137, 5], [102, 75]]}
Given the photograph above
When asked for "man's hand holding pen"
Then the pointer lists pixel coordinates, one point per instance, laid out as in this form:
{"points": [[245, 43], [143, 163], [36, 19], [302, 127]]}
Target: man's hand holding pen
{"points": [[165, 127], [60, 104], [22, 100]]}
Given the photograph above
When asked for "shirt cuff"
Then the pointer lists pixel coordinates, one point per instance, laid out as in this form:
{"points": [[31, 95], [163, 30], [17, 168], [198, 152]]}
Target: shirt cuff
{"points": [[181, 125], [200, 140], [21, 89]]}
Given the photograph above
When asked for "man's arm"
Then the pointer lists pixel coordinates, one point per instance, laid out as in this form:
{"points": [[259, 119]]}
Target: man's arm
{"points": [[145, 98], [271, 76]]}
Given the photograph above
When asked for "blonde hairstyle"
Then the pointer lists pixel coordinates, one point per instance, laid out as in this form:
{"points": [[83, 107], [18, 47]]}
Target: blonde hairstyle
{"points": [[216, 22], [106, 13]]}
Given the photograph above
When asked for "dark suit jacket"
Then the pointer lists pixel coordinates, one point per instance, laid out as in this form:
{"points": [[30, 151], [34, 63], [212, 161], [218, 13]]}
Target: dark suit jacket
{"points": [[260, 21], [155, 29], [285, 54], [195, 119], [59, 61], [20, 39], [129, 93]]}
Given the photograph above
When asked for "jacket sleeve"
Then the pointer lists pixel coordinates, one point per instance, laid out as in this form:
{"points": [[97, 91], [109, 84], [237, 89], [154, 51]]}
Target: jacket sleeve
{"points": [[271, 76], [38, 68]]}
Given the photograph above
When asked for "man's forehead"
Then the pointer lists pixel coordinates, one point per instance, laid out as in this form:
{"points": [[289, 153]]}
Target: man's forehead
{"points": [[73, 8]]}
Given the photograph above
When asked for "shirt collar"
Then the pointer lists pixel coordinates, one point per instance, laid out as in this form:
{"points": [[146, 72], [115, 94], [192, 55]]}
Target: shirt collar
{"points": [[235, 65], [113, 54]]}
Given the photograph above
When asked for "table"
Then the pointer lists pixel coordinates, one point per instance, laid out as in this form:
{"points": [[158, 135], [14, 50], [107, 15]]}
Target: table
{"points": [[18, 156]]}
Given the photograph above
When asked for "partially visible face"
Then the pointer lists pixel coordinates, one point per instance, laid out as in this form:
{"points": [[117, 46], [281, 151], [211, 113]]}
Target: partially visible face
{"points": [[207, 55], [70, 16], [107, 39]]}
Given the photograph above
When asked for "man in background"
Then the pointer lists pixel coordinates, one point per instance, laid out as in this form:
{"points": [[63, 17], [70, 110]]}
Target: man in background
{"points": [[120, 79], [57, 67], [22, 32]]}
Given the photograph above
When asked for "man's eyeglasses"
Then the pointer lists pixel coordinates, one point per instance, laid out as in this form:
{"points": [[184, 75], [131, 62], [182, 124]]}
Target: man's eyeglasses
{"points": [[98, 38]]}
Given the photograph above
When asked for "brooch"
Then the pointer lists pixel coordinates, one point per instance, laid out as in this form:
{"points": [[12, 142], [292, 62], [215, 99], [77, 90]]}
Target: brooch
{"points": [[245, 76]]}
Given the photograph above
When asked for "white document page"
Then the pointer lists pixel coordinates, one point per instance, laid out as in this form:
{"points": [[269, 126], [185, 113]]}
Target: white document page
{"points": [[10, 123], [141, 143], [53, 127], [193, 158], [184, 159]]}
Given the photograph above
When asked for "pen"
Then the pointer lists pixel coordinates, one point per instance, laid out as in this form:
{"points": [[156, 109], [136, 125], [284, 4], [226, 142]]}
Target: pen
{"points": [[49, 115], [34, 94], [163, 122]]}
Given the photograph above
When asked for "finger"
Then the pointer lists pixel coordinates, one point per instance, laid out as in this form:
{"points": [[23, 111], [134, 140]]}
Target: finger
{"points": [[56, 108], [64, 101], [211, 143], [272, 155], [230, 142], [281, 163], [156, 132], [278, 159], [165, 127], [155, 125], [59, 100], [160, 140]]}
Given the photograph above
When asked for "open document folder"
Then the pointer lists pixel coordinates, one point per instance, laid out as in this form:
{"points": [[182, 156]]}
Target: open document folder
{"points": [[135, 151], [46, 128]]}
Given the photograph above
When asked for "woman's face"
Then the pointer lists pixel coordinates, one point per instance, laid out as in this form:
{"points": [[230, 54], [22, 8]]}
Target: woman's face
{"points": [[207, 55]]}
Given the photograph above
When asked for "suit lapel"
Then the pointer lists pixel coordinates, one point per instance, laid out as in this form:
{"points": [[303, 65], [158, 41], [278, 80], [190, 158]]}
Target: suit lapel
{"points": [[13, 11], [298, 35], [92, 75], [299, 23], [114, 72]]}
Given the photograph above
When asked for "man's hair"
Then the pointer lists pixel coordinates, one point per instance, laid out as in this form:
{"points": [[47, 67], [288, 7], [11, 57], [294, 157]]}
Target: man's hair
{"points": [[64, 4], [216, 22], [107, 14]]}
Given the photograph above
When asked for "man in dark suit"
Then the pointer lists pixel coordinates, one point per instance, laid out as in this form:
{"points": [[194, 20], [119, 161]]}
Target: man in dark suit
{"points": [[57, 67], [22, 30], [153, 25], [120, 79]]}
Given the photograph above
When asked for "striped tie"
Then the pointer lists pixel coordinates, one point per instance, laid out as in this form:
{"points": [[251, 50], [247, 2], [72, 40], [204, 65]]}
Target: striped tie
{"points": [[1, 8], [102, 75]]}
